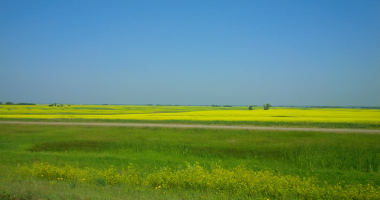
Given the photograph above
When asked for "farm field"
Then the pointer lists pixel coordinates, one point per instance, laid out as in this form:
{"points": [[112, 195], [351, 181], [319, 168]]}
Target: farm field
{"points": [[289, 117], [189, 100], [106, 162], [92, 162]]}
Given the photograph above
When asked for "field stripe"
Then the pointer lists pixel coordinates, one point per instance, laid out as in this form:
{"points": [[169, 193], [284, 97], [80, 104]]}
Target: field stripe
{"points": [[198, 126]]}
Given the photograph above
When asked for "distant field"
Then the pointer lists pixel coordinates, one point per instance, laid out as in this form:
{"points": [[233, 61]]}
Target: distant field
{"points": [[91, 162], [296, 117]]}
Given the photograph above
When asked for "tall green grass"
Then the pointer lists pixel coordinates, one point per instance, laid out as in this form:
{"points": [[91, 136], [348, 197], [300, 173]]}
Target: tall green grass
{"points": [[329, 159]]}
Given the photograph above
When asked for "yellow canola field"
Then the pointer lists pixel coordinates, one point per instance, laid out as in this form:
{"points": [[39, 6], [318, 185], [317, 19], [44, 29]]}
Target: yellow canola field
{"points": [[194, 113]]}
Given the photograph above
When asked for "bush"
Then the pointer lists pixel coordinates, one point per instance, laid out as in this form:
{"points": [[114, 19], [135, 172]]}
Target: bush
{"points": [[267, 106]]}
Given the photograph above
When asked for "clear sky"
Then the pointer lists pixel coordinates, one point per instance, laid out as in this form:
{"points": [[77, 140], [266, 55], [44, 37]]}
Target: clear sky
{"points": [[324, 52]]}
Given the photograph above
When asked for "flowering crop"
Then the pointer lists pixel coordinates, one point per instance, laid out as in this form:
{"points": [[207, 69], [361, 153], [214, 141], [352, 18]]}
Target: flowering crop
{"points": [[196, 113], [236, 181]]}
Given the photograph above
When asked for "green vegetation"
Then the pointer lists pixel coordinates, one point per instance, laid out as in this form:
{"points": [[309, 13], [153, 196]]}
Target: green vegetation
{"points": [[56, 105], [172, 163], [11, 103], [267, 106]]}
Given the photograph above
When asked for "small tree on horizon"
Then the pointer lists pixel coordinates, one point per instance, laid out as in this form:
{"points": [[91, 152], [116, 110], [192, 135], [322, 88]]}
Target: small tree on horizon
{"points": [[250, 108], [267, 106]]}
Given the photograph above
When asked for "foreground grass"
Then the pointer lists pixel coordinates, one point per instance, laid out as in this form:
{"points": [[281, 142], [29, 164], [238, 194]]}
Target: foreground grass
{"points": [[237, 181], [42, 189], [341, 162]]}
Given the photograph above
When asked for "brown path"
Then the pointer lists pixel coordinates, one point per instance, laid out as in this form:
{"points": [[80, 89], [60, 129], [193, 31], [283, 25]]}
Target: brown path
{"points": [[199, 126]]}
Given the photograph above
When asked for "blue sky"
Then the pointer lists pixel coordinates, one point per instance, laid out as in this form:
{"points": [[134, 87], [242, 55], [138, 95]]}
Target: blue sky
{"points": [[191, 52]]}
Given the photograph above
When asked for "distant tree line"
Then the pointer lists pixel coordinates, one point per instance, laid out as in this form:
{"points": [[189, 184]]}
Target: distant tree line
{"points": [[56, 105], [370, 107], [266, 106], [11, 103], [220, 106]]}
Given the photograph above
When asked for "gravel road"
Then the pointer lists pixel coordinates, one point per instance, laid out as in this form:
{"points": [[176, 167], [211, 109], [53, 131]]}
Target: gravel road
{"points": [[369, 131]]}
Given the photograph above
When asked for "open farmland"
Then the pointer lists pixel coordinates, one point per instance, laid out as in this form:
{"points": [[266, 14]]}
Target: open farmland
{"points": [[116, 162], [221, 100], [295, 117]]}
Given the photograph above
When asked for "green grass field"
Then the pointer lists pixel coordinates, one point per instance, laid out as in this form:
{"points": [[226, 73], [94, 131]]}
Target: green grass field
{"points": [[88, 162]]}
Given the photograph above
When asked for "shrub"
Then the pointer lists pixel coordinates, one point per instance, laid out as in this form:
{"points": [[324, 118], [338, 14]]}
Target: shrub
{"points": [[267, 106]]}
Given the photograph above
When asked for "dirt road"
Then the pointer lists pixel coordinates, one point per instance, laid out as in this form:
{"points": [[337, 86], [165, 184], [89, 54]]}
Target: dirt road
{"points": [[199, 126]]}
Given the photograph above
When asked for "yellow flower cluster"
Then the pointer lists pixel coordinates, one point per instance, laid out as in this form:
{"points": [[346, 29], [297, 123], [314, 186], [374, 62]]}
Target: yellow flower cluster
{"points": [[237, 181], [51, 172], [129, 176], [241, 181]]}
